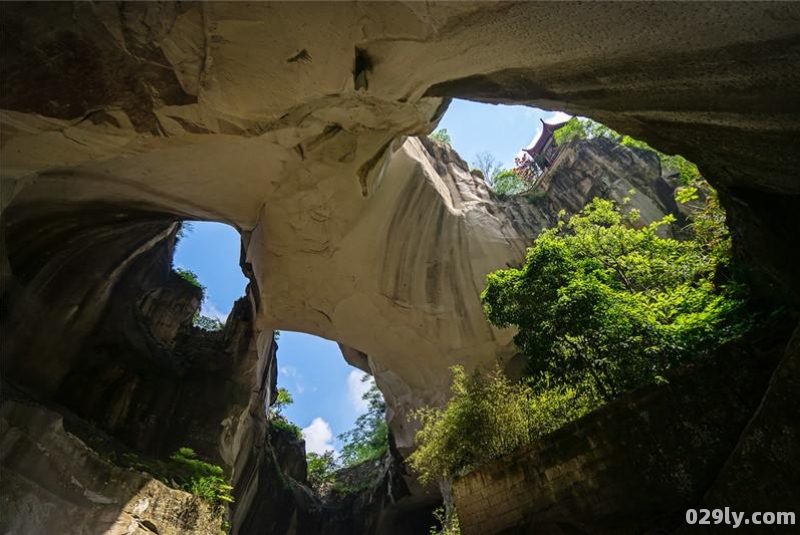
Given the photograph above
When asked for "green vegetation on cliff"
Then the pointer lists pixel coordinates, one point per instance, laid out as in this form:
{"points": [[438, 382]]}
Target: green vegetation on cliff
{"points": [[442, 136], [277, 420], [191, 277], [188, 472], [587, 129], [599, 299], [368, 440], [488, 416], [602, 304], [321, 468]]}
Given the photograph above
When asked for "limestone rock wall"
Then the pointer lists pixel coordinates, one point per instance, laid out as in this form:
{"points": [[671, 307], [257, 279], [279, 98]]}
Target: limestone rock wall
{"points": [[288, 122], [604, 168], [53, 483], [636, 464], [297, 124]]}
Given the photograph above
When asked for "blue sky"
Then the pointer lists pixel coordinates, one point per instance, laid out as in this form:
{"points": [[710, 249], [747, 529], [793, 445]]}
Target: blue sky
{"points": [[326, 390], [499, 130]]}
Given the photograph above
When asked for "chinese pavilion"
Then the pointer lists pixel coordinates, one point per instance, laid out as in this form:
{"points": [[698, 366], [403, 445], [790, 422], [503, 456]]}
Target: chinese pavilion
{"points": [[544, 150]]}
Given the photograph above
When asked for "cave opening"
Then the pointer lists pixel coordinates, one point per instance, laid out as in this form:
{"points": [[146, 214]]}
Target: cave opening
{"points": [[327, 392], [491, 137], [207, 255], [323, 395], [205, 132]]}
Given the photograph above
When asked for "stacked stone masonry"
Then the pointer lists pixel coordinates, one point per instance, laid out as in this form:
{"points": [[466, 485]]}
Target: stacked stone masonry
{"points": [[633, 465]]}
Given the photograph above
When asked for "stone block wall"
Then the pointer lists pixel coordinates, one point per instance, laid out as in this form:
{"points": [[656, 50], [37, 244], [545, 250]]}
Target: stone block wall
{"points": [[634, 465]]}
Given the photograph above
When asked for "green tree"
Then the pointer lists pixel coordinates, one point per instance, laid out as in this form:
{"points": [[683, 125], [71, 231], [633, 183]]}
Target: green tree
{"points": [[279, 421], [600, 299], [321, 468], [442, 136], [369, 438], [587, 129], [283, 400], [508, 182], [486, 417], [207, 323], [573, 129]]}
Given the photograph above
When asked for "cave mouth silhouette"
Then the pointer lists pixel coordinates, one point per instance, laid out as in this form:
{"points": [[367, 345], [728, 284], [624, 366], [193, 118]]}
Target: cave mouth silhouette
{"points": [[210, 252]]}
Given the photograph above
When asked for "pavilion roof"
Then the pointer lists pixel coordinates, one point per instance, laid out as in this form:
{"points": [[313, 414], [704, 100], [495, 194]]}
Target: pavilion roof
{"points": [[545, 134]]}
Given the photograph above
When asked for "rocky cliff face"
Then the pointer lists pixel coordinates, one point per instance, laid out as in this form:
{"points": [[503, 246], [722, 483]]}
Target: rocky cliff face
{"points": [[54, 483], [297, 124], [604, 168]]}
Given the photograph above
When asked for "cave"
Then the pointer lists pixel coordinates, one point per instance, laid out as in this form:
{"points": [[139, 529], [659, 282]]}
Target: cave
{"points": [[304, 127]]}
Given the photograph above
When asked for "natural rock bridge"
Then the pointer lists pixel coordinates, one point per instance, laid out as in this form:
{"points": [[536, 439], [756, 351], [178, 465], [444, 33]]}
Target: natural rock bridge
{"points": [[296, 124]]}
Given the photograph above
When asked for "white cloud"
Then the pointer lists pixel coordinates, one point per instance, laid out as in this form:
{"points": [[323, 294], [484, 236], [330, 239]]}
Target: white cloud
{"points": [[557, 117], [318, 436], [356, 388], [289, 371], [210, 309]]}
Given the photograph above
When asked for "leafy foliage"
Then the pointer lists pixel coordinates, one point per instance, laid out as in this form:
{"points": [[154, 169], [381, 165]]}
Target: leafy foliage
{"points": [[184, 229], [200, 321], [188, 472], [321, 468], [282, 424], [577, 128], [509, 182], [203, 479], [283, 400], [573, 129], [597, 298], [602, 304], [369, 439], [191, 277], [207, 323], [486, 417], [448, 523], [442, 136]]}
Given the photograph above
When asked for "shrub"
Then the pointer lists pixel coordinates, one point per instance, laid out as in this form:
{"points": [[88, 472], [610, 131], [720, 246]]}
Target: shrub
{"points": [[191, 277], [509, 182], [201, 478], [489, 416], [282, 400], [369, 439], [282, 424], [597, 298], [442, 136], [207, 323], [448, 523], [321, 468], [186, 471]]}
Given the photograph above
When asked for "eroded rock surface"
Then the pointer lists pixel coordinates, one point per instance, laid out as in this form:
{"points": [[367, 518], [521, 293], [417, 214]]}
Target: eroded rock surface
{"points": [[53, 483], [296, 123]]}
